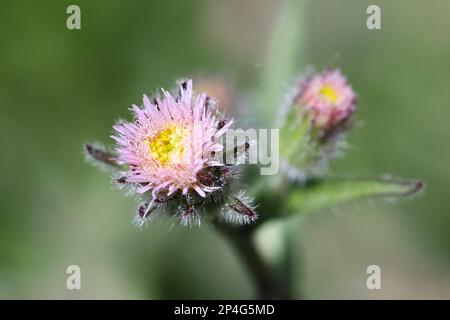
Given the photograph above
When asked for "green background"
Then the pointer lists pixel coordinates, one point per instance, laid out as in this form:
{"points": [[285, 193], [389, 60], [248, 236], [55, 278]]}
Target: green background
{"points": [[61, 88]]}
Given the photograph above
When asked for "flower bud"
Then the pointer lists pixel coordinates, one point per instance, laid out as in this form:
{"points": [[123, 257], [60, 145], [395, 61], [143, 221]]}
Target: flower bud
{"points": [[320, 112], [326, 99]]}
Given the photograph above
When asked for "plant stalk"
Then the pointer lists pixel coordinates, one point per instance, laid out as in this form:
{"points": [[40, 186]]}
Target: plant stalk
{"points": [[267, 284]]}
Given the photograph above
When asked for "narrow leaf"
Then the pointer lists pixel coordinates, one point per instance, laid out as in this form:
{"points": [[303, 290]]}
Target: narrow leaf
{"points": [[328, 193]]}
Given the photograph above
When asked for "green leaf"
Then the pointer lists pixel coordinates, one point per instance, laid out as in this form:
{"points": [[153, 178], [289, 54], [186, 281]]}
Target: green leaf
{"points": [[329, 193], [285, 55]]}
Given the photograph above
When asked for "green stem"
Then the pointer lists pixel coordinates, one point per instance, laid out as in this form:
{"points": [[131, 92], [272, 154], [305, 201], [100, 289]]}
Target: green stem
{"points": [[268, 285]]}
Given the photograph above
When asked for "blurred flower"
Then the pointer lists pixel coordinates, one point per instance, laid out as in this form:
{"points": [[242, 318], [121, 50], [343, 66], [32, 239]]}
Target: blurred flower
{"points": [[327, 99], [171, 143], [219, 89]]}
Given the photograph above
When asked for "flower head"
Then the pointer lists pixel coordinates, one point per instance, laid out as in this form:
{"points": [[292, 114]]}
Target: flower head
{"points": [[326, 98], [171, 144]]}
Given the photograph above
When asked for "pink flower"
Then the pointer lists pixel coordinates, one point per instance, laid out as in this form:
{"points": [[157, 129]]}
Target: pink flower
{"points": [[326, 98], [170, 143]]}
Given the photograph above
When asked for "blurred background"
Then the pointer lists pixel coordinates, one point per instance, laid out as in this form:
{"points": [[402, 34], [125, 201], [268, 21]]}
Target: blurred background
{"points": [[60, 88]]}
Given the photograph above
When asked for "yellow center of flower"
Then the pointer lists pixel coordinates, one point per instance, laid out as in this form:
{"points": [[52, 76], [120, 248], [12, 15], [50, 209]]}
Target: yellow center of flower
{"points": [[329, 93], [167, 146]]}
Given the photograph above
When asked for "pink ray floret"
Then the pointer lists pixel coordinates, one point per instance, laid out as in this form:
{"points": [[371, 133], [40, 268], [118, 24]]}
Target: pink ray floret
{"points": [[169, 142]]}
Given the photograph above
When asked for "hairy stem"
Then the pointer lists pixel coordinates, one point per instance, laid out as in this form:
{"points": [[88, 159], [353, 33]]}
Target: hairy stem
{"points": [[268, 285]]}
